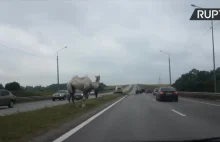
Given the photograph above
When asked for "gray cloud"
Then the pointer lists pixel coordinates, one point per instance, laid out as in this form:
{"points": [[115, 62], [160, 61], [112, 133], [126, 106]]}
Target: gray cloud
{"points": [[119, 40]]}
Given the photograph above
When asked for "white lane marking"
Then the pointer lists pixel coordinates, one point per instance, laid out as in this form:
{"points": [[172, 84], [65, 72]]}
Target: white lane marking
{"points": [[178, 112], [200, 102], [77, 128]]}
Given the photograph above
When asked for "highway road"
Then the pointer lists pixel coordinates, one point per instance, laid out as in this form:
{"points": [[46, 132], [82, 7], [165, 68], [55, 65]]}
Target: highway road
{"points": [[142, 118], [23, 107]]}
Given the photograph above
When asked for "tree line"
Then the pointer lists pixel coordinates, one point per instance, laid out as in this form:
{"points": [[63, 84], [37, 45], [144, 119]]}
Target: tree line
{"points": [[198, 81], [15, 86]]}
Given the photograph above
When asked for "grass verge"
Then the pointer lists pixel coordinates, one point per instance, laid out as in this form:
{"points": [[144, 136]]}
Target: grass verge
{"points": [[144, 86], [32, 93], [18, 126]]}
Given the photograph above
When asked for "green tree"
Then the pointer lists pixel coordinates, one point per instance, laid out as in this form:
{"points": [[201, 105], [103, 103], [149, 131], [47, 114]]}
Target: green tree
{"points": [[197, 81], [101, 86], [1, 86], [13, 86]]}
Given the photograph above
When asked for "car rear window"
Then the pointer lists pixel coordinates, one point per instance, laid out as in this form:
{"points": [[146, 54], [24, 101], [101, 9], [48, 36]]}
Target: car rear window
{"points": [[168, 89]]}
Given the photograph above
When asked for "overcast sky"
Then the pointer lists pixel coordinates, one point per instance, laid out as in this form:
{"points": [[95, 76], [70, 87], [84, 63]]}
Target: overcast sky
{"points": [[120, 40]]}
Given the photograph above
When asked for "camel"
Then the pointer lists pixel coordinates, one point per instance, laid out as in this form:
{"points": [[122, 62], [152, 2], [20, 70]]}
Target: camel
{"points": [[84, 84]]}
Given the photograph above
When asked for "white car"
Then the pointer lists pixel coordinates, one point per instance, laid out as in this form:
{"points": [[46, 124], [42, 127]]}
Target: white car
{"points": [[92, 92], [118, 89]]}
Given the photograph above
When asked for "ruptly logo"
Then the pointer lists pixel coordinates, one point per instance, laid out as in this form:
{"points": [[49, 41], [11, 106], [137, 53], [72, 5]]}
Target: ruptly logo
{"points": [[206, 14]]}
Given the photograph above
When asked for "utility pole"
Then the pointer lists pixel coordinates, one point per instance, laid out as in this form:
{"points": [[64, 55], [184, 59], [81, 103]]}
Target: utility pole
{"points": [[168, 54], [213, 53], [159, 79], [58, 83], [169, 71], [58, 77], [213, 50]]}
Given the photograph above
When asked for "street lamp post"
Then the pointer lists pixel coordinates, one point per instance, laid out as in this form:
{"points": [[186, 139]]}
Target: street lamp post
{"points": [[169, 63], [213, 50], [58, 65]]}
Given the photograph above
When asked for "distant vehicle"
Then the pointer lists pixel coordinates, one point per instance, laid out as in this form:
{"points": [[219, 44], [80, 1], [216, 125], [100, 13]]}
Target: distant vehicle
{"points": [[150, 90], [167, 93], [78, 95], [92, 92], [7, 98], [138, 91], [142, 90], [118, 89], [61, 95], [155, 91]]}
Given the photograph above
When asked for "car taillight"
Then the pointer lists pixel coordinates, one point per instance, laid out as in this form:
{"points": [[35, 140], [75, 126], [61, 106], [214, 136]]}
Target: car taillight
{"points": [[161, 92], [175, 93]]}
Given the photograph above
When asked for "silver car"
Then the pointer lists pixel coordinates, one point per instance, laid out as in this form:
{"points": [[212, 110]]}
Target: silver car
{"points": [[78, 95], [118, 89], [7, 98], [92, 92], [61, 95]]}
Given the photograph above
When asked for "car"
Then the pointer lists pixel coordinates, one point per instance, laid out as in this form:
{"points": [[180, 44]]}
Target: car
{"points": [[138, 91], [61, 95], [118, 89], [7, 98], [92, 92], [150, 90], [167, 93], [78, 95], [155, 91]]}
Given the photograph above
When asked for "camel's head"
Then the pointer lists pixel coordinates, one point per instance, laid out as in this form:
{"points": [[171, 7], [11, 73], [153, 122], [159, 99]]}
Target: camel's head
{"points": [[97, 78]]}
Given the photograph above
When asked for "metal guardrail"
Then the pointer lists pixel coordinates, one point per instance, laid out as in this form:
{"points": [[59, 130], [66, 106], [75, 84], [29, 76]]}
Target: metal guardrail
{"points": [[204, 95]]}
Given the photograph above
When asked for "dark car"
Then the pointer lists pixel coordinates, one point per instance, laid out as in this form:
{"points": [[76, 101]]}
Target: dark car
{"points": [[138, 91], [78, 95], [155, 91], [7, 98], [167, 93], [61, 95], [149, 90]]}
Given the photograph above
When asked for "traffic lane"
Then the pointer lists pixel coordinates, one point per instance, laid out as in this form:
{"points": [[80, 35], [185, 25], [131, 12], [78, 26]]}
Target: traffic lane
{"points": [[138, 117], [127, 88], [23, 107], [206, 113]]}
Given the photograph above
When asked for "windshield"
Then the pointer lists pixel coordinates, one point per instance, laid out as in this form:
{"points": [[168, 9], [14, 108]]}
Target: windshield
{"points": [[109, 70]]}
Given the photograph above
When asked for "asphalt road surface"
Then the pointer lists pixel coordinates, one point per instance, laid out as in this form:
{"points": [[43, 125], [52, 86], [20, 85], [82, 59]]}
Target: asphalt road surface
{"points": [[141, 118], [23, 107]]}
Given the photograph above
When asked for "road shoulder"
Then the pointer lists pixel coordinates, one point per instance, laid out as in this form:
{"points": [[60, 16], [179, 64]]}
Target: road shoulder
{"points": [[64, 127]]}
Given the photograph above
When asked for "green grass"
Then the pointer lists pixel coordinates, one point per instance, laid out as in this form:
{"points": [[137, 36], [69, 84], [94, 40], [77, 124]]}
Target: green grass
{"points": [[32, 93], [108, 89], [152, 85], [27, 124], [111, 88]]}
